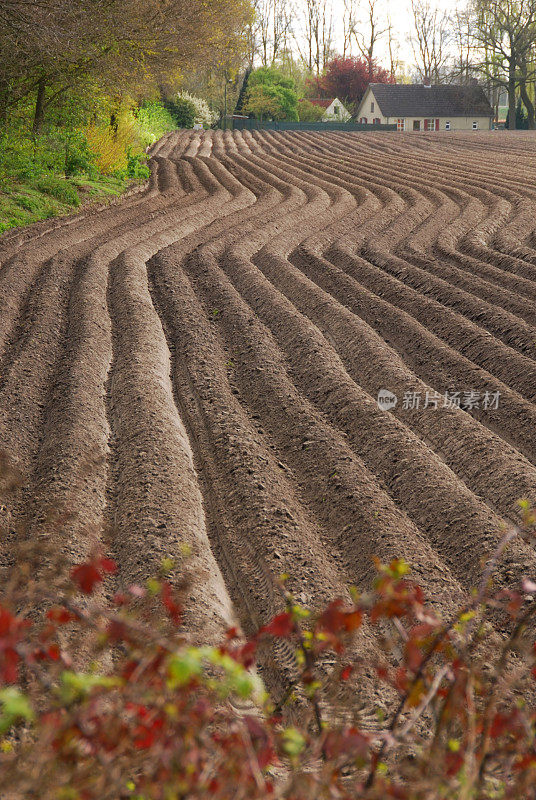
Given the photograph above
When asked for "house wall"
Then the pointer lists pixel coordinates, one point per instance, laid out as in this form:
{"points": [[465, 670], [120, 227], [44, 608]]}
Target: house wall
{"points": [[331, 116], [456, 123]]}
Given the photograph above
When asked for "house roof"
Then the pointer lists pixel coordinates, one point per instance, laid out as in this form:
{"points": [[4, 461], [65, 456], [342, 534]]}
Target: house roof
{"points": [[322, 102], [417, 100]]}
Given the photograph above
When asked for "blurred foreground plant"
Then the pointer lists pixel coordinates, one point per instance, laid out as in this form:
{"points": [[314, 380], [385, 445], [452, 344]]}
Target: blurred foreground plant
{"points": [[151, 716]]}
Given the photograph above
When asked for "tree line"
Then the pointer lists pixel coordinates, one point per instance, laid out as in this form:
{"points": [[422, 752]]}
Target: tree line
{"points": [[50, 48], [492, 42]]}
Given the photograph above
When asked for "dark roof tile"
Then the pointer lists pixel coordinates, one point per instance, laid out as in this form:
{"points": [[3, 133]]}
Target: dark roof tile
{"points": [[416, 100]]}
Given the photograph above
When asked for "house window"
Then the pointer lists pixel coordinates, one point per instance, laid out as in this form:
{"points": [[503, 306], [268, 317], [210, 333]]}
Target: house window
{"points": [[429, 124], [376, 120], [475, 126], [401, 124], [372, 108], [364, 120], [416, 124], [447, 125], [336, 110]]}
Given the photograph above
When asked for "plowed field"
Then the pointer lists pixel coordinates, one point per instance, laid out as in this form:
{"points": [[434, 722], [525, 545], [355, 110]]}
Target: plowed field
{"points": [[201, 363]]}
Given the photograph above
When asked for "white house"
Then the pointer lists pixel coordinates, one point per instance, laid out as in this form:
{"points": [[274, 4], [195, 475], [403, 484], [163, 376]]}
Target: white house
{"points": [[422, 107], [335, 111]]}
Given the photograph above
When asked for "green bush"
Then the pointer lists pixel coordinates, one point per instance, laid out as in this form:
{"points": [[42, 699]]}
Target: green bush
{"points": [[271, 94], [309, 112], [17, 156], [136, 167], [183, 111], [58, 188], [153, 121], [28, 203], [78, 156]]}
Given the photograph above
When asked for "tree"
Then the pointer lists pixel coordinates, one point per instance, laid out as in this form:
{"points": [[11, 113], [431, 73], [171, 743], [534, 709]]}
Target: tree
{"points": [[309, 112], [347, 79], [50, 47], [464, 69], [521, 116], [430, 40], [277, 88], [504, 31], [262, 101], [349, 26], [183, 111], [367, 44], [316, 44], [393, 46], [273, 25]]}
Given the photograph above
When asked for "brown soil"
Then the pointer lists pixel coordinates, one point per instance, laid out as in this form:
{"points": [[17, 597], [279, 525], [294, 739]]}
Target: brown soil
{"points": [[200, 364]]}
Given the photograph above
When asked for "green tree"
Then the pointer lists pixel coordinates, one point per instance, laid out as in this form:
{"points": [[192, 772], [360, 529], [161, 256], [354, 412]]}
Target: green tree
{"points": [[49, 49], [279, 88], [504, 33], [309, 112], [262, 101]]}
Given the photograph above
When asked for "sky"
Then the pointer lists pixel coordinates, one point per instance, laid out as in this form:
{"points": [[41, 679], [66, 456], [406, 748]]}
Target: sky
{"points": [[402, 19]]}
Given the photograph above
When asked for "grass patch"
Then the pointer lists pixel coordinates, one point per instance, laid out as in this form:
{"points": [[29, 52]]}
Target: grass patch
{"points": [[60, 188], [23, 202]]}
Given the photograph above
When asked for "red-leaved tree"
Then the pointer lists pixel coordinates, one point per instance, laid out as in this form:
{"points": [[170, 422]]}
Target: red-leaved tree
{"points": [[347, 79]]}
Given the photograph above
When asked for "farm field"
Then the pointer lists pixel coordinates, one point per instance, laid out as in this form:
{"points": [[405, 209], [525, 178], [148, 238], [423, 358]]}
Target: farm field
{"points": [[200, 365]]}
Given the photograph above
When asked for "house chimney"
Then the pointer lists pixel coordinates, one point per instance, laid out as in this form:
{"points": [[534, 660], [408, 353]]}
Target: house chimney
{"points": [[426, 82]]}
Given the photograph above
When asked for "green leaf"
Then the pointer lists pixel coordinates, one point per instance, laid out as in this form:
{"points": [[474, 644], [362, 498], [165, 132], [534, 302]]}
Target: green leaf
{"points": [[15, 708], [75, 686], [184, 666], [167, 565], [293, 742]]}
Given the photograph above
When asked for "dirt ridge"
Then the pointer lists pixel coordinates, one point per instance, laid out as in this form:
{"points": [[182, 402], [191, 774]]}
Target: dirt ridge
{"points": [[199, 365]]}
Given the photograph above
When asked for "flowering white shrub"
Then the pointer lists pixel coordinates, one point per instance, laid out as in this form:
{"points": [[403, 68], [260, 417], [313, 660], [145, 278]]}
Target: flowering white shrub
{"points": [[203, 114]]}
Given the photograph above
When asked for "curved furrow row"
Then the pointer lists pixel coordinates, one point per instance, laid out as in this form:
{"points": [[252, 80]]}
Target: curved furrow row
{"points": [[482, 290], [199, 366], [243, 270], [477, 338], [488, 316], [429, 357], [494, 221]]}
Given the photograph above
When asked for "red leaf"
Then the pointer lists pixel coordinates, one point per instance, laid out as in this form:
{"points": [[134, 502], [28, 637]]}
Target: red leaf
{"points": [[336, 618], [89, 573], [282, 625], [118, 631], [346, 672], [414, 656], [528, 760], [246, 655], [53, 652], [348, 741], [499, 725], [173, 608], [454, 762], [60, 615], [7, 621], [86, 576], [401, 679], [108, 565], [9, 669]]}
